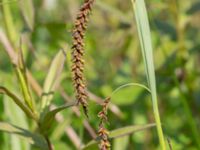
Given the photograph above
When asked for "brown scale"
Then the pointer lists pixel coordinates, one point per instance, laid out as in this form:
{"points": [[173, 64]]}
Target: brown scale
{"points": [[102, 132], [78, 52]]}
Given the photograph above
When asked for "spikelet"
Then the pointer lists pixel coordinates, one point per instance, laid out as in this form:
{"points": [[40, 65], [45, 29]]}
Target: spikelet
{"points": [[102, 132], [78, 52]]}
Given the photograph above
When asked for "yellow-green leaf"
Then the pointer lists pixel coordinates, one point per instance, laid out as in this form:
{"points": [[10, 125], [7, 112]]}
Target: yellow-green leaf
{"points": [[53, 78], [27, 9]]}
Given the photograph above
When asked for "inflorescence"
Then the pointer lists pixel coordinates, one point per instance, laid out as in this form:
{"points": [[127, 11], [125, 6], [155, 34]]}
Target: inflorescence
{"points": [[78, 52]]}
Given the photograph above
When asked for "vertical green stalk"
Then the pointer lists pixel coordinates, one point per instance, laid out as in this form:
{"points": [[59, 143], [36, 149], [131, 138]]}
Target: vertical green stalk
{"points": [[147, 52]]}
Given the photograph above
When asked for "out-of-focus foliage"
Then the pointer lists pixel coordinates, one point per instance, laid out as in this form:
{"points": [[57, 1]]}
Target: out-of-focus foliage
{"points": [[112, 58]]}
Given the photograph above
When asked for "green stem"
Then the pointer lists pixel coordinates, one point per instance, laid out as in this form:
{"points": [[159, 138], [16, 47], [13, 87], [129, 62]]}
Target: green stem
{"points": [[159, 127]]}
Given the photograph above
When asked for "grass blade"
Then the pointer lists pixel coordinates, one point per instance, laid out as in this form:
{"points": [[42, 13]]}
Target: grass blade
{"points": [[8, 20], [20, 69], [27, 111], [53, 78], [27, 9], [147, 52], [48, 119], [32, 138], [16, 116], [124, 131]]}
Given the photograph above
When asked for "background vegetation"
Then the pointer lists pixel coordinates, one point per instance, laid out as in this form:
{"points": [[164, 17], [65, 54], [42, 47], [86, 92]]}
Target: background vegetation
{"points": [[113, 58]]}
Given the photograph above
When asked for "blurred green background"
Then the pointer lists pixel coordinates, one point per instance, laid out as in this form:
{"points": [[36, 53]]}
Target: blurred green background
{"points": [[112, 58]]}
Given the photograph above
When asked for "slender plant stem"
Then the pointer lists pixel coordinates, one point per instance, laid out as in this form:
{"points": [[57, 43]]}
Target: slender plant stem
{"points": [[159, 128], [50, 145]]}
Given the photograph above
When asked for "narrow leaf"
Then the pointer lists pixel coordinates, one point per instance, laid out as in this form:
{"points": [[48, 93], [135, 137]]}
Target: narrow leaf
{"points": [[9, 23], [147, 52], [124, 131], [24, 108], [16, 116], [22, 77], [25, 88], [129, 130], [49, 117], [53, 78], [27, 10], [32, 138]]}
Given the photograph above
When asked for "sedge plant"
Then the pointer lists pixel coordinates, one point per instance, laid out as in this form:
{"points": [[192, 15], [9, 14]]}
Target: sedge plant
{"points": [[38, 108]]}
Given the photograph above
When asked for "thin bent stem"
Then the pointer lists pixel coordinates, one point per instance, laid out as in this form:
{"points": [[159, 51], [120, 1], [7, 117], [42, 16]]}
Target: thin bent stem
{"points": [[50, 146]]}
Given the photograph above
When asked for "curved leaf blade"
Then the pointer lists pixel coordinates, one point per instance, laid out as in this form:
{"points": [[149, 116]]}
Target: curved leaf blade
{"points": [[27, 10], [49, 117], [124, 131], [32, 138], [26, 110]]}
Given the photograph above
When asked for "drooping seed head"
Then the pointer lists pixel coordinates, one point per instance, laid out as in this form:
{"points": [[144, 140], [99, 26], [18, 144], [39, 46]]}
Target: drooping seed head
{"points": [[103, 132], [78, 52]]}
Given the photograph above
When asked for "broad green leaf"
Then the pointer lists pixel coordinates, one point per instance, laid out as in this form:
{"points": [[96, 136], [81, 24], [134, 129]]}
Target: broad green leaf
{"points": [[23, 107], [49, 117], [32, 138], [27, 9], [124, 131], [147, 52], [53, 77]]}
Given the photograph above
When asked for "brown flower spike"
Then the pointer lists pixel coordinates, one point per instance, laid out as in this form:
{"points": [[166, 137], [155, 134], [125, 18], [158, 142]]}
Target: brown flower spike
{"points": [[78, 52], [102, 132]]}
